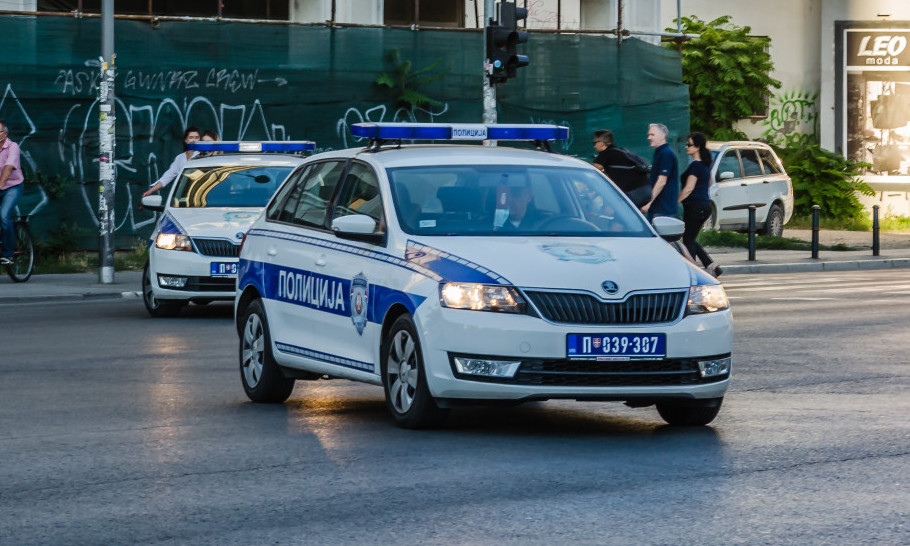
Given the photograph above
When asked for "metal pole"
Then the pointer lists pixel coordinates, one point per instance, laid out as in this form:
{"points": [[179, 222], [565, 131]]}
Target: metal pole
{"points": [[106, 141], [489, 90], [751, 233], [875, 240], [815, 211]]}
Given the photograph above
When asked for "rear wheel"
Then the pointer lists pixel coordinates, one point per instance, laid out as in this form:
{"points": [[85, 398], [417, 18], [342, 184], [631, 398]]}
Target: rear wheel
{"points": [[774, 225], [23, 255], [404, 378], [156, 307], [262, 378], [689, 413]]}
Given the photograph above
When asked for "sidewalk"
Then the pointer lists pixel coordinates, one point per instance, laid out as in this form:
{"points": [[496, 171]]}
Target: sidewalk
{"points": [[895, 252]]}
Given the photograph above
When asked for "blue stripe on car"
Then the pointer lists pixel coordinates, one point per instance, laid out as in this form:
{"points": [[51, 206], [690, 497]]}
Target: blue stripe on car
{"points": [[169, 224], [324, 357]]}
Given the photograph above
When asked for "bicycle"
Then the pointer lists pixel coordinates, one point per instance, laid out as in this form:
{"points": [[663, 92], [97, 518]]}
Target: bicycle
{"points": [[24, 254]]}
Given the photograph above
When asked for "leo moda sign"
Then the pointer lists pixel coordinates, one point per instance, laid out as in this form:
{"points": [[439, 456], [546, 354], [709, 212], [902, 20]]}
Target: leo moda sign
{"points": [[881, 49]]}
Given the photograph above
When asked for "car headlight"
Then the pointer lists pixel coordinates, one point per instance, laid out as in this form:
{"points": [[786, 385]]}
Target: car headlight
{"points": [[172, 241], [706, 298], [481, 297]]}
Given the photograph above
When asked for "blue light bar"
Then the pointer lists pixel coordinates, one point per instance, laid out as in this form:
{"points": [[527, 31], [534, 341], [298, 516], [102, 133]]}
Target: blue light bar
{"points": [[253, 146], [459, 131]]}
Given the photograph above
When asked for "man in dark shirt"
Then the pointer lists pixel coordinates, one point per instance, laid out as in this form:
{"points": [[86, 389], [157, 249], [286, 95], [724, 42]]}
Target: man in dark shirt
{"points": [[664, 175], [612, 161]]}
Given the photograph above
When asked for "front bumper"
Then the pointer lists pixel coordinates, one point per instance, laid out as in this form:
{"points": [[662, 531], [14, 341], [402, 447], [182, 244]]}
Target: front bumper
{"points": [[547, 373], [199, 284]]}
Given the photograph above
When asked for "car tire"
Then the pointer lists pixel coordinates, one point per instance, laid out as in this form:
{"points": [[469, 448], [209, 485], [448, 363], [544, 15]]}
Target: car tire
{"points": [[409, 401], [774, 225], [157, 308], [260, 374], [690, 413]]}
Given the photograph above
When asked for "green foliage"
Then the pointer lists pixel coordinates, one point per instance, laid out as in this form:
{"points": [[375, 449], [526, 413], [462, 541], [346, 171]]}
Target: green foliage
{"points": [[728, 73], [61, 240], [825, 179], [404, 83], [54, 186]]}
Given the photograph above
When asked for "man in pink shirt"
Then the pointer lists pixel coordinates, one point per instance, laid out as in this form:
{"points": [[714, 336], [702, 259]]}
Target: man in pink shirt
{"points": [[10, 189]]}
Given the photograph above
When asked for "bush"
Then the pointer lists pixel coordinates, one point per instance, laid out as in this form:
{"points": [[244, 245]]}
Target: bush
{"points": [[825, 179]]}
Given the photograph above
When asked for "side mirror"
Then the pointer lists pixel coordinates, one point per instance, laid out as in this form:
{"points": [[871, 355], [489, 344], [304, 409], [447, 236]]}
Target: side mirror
{"points": [[153, 202], [359, 227], [670, 229], [726, 175]]}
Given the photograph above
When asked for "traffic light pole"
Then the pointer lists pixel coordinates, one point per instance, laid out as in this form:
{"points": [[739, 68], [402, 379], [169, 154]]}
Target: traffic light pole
{"points": [[106, 147], [489, 90]]}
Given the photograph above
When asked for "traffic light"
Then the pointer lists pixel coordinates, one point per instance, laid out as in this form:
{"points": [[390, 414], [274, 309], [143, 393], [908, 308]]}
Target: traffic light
{"points": [[503, 38]]}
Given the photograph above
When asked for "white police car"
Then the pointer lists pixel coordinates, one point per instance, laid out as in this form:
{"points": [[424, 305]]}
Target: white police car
{"points": [[194, 247], [455, 274]]}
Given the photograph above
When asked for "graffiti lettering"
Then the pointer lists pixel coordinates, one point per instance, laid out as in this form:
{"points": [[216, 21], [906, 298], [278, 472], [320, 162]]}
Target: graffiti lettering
{"points": [[72, 82], [793, 119], [377, 114], [231, 80]]}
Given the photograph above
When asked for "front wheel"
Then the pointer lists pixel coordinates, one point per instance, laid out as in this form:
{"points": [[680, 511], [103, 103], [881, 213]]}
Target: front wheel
{"points": [[404, 378], [262, 378], [157, 308], [774, 225], [23, 255], [689, 413]]}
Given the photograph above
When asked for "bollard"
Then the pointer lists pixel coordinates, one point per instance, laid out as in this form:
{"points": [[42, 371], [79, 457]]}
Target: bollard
{"points": [[751, 233], [815, 209], [876, 245]]}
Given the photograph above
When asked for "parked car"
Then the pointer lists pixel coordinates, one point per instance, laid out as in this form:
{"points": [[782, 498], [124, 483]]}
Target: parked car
{"points": [[457, 274], [204, 214], [746, 173]]}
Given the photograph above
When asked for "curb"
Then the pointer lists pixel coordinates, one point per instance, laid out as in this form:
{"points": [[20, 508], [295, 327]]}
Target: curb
{"points": [[847, 265], [49, 298]]}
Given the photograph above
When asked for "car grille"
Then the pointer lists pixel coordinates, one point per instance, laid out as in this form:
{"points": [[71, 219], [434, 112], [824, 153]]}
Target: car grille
{"points": [[574, 308], [220, 248], [590, 373], [209, 284]]}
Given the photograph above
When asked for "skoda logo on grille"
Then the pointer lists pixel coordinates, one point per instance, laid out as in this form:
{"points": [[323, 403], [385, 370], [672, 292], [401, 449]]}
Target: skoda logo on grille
{"points": [[610, 287], [239, 235]]}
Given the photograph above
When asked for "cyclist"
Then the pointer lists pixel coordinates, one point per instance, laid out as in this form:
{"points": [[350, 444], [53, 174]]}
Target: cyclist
{"points": [[10, 189]]}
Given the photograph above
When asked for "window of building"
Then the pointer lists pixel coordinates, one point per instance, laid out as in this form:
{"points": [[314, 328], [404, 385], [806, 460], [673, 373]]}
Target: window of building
{"points": [[427, 13]]}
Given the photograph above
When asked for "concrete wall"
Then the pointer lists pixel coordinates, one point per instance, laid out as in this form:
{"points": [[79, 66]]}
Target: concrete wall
{"points": [[795, 32], [19, 5]]}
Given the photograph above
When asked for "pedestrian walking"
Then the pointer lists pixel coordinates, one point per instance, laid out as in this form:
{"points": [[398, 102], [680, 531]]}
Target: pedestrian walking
{"points": [[664, 175], [695, 198], [628, 171]]}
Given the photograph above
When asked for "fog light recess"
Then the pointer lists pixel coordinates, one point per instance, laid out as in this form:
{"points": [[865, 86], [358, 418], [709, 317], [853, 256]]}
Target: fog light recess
{"points": [[168, 281], [485, 367], [713, 368]]}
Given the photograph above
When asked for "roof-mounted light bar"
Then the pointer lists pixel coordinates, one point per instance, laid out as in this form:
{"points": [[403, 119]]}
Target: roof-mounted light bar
{"points": [[253, 146], [459, 131]]}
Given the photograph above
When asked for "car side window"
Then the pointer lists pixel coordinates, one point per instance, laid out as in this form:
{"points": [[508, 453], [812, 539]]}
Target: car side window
{"points": [[360, 195], [277, 204], [751, 166], [729, 163], [308, 203], [769, 162]]}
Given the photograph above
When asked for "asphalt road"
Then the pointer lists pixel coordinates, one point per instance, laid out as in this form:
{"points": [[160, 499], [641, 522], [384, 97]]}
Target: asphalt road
{"points": [[118, 428]]}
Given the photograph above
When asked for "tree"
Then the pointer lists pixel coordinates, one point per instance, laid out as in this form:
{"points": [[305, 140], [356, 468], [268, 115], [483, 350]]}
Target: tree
{"points": [[728, 73], [404, 82]]}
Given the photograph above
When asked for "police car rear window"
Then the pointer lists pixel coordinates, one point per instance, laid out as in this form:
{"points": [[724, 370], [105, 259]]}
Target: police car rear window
{"points": [[228, 186], [511, 200]]}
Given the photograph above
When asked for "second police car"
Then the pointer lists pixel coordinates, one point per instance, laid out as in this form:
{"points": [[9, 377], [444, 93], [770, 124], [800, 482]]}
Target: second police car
{"points": [[205, 212], [452, 274]]}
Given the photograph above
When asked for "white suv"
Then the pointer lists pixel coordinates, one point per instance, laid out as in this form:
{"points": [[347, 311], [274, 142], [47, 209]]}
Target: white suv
{"points": [[454, 274], [194, 247], [745, 173]]}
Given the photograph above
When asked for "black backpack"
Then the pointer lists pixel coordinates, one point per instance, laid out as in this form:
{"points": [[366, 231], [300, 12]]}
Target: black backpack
{"points": [[633, 174]]}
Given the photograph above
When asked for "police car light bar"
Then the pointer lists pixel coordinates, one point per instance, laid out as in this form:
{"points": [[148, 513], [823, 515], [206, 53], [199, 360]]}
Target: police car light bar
{"points": [[459, 131], [257, 146]]}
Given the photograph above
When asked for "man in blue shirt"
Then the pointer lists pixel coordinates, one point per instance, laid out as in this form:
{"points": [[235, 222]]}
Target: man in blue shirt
{"points": [[664, 175]]}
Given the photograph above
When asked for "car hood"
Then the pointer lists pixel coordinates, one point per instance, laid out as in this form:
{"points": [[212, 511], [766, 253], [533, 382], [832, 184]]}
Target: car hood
{"points": [[631, 264], [216, 222]]}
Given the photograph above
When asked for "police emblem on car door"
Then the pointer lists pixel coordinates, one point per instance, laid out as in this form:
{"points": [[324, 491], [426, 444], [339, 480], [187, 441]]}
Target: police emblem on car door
{"points": [[359, 300]]}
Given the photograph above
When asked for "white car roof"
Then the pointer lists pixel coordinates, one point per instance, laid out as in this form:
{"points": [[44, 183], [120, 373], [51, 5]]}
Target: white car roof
{"points": [[268, 160], [448, 154]]}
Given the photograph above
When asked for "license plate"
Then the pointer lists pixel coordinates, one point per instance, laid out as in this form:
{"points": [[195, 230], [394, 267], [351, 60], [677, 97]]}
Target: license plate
{"points": [[616, 346], [224, 269]]}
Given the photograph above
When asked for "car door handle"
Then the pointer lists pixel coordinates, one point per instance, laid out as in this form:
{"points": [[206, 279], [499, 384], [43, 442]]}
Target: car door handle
{"points": [[272, 251], [320, 261], [765, 181], [744, 184]]}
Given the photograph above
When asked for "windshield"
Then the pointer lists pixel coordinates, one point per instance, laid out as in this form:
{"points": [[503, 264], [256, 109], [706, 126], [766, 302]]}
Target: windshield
{"points": [[228, 186], [511, 200]]}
